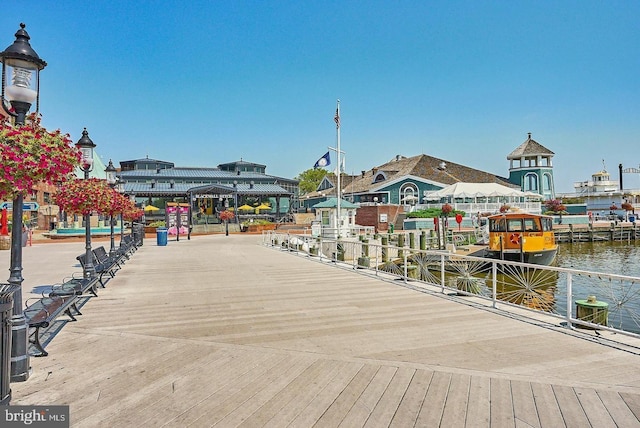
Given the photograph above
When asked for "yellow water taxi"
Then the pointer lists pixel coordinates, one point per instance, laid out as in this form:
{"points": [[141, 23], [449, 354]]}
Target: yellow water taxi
{"points": [[521, 237]]}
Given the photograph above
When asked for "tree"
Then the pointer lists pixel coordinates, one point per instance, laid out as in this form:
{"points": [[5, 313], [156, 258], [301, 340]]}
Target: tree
{"points": [[310, 179], [555, 206]]}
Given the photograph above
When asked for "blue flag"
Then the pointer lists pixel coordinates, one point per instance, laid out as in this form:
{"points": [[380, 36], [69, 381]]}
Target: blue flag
{"points": [[323, 161]]}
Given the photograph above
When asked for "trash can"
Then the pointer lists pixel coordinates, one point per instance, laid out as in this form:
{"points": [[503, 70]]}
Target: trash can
{"points": [[6, 311], [162, 234]]}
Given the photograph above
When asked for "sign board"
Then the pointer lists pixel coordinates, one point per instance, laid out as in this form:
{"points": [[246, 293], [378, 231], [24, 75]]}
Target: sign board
{"points": [[26, 206], [214, 196], [383, 218], [177, 215]]}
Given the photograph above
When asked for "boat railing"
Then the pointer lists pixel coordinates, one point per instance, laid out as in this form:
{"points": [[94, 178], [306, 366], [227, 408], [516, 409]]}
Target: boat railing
{"points": [[573, 298]]}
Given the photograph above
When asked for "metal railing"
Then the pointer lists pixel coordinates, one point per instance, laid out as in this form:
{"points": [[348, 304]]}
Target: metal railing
{"points": [[562, 293]]}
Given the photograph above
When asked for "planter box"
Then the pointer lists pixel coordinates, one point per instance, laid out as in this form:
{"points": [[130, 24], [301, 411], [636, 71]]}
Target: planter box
{"points": [[149, 229], [260, 227], [5, 243]]}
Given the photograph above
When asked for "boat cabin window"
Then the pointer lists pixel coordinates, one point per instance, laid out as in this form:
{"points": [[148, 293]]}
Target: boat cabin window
{"points": [[531, 225], [515, 225], [547, 224], [499, 225]]}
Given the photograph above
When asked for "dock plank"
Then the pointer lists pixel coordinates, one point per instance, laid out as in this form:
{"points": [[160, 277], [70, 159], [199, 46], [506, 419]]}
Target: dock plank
{"points": [[407, 412], [388, 404], [618, 409], [314, 411], [369, 399], [478, 412], [570, 407], [304, 343], [501, 403], [433, 405], [547, 405], [454, 413], [524, 404], [336, 412]]}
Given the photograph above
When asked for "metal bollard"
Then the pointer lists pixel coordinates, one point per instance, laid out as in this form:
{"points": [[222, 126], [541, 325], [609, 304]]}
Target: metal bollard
{"points": [[6, 311]]}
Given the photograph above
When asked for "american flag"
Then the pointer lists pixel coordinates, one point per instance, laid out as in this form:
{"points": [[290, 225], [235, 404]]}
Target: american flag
{"points": [[337, 118]]}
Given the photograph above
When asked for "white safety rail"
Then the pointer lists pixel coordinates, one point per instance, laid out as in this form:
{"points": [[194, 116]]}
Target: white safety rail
{"points": [[509, 286]]}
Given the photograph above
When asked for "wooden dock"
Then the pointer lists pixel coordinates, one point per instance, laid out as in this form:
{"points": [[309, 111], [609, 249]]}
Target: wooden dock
{"points": [[598, 233], [221, 331]]}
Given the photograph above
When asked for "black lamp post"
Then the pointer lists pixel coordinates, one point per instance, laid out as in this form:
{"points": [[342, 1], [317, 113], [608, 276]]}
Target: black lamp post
{"points": [[21, 67], [120, 187], [86, 146], [110, 172]]}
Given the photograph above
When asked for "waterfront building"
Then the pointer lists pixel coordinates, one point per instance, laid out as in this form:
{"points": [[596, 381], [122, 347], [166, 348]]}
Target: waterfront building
{"points": [[211, 190], [604, 197], [531, 169], [410, 182]]}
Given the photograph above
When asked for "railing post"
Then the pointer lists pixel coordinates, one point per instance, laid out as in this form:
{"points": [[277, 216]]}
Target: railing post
{"points": [[442, 273], [406, 268], [494, 284], [569, 298]]}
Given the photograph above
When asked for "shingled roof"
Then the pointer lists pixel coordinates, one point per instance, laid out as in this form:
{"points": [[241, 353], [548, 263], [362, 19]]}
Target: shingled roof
{"points": [[433, 169], [529, 148]]}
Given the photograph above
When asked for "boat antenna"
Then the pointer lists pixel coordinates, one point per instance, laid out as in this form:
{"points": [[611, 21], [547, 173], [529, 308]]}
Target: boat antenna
{"points": [[604, 166]]}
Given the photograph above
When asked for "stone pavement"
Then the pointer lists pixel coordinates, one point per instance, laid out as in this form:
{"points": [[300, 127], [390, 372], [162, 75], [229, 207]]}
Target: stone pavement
{"points": [[222, 331]]}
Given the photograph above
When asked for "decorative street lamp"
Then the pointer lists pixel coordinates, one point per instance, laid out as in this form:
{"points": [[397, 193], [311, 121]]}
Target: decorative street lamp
{"points": [[110, 172], [86, 146], [21, 67], [120, 188]]}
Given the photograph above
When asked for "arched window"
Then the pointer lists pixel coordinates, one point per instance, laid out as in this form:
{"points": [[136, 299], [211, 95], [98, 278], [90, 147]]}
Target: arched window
{"points": [[379, 177], [531, 182], [547, 183], [409, 194]]}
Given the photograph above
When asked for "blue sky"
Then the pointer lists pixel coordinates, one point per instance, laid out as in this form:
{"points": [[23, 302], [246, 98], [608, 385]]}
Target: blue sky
{"points": [[201, 83]]}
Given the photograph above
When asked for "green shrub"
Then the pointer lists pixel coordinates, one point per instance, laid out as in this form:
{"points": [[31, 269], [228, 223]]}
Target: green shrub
{"points": [[158, 224], [256, 221], [431, 213]]}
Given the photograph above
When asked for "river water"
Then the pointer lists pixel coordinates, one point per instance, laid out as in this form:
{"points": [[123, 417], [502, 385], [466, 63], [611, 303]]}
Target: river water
{"points": [[621, 258]]}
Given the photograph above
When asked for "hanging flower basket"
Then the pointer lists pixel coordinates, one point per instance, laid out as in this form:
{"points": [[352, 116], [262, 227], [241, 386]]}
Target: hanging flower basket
{"points": [[29, 154]]}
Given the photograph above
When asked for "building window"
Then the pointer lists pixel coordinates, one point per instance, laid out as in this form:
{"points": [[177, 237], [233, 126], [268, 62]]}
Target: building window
{"points": [[325, 218], [408, 194], [531, 182], [546, 183]]}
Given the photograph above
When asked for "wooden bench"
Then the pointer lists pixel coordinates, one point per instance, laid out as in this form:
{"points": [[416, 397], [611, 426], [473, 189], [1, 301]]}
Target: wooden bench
{"points": [[43, 312]]}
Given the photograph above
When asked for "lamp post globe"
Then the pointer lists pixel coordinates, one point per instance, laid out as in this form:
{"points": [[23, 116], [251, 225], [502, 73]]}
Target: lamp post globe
{"points": [[21, 67], [86, 146], [110, 173]]}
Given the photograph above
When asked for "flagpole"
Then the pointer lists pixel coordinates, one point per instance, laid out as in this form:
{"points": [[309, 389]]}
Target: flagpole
{"points": [[339, 193]]}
